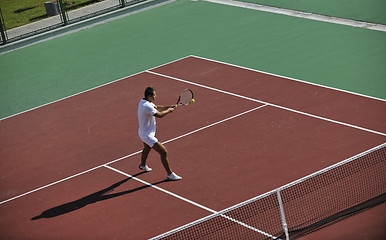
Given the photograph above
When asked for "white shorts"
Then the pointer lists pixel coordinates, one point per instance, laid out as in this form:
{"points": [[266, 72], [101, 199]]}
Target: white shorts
{"points": [[149, 140]]}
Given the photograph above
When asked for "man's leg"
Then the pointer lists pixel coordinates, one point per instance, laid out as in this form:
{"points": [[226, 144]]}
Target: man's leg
{"points": [[160, 148], [145, 153]]}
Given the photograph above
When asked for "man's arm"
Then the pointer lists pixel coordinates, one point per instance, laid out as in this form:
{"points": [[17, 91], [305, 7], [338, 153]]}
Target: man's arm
{"points": [[163, 108], [162, 111]]}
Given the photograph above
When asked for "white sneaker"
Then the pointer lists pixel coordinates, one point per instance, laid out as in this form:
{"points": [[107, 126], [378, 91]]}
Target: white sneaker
{"points": [[174, 177], [145, 168]]}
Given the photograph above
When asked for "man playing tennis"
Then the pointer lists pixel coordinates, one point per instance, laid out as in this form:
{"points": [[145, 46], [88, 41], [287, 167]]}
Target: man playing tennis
{"points": [[147, 112]]}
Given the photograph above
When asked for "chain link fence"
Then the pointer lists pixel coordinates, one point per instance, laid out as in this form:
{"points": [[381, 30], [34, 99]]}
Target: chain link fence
{"points": [[52, 15]]}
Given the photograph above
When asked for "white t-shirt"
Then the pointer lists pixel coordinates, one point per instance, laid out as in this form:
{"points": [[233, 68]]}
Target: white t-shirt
{"points": [[146, 119]]}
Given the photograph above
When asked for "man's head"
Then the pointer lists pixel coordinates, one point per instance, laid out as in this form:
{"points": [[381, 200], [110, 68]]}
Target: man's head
{"points": [[150, 94]]}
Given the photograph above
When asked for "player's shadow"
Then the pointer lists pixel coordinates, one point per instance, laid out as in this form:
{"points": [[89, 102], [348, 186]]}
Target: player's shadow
{"points": [[92, 198]]}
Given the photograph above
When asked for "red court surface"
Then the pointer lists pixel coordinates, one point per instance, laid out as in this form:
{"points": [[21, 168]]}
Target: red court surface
{"points": [[65, 166]]}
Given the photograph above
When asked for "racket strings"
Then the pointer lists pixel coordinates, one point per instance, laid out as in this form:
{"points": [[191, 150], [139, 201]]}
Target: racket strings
{"points": [[186, 97]]}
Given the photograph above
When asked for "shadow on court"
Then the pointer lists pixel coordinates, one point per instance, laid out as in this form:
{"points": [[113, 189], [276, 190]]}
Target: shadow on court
{"points": [[92, 198]]}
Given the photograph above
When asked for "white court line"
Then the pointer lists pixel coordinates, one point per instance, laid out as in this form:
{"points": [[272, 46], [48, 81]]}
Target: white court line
{"points": [[214, 89], [119, 159], [305, 15], [130, 155], [67, 178], [266, 103], [222, 212], [160, 189], [48, 185], [289, 78], [188, 201], [87, 90], [211, 125], [81, 25], [208, 59]]}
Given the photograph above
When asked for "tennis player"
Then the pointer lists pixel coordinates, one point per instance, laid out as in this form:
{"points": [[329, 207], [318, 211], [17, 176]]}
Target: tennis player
{"points": [[147, 112]]}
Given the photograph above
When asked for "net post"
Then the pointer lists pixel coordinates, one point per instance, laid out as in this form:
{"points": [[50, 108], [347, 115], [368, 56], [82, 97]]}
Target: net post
{"points": [[283, 221]]}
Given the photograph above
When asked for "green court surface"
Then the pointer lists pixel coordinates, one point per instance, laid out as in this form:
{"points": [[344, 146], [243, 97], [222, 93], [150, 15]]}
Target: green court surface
{"points": [[368, 10], [329, 54]]}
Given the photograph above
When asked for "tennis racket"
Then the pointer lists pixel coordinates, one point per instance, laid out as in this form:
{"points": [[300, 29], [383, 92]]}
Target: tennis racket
{"points": [[185, 98]]}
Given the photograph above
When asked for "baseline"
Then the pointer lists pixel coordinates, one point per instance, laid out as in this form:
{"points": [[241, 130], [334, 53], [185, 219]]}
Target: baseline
{"points": [[174, 61], [286, 77], [85, 91]]}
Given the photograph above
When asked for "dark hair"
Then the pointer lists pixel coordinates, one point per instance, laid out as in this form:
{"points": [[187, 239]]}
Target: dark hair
{"points": [[149, 91]]}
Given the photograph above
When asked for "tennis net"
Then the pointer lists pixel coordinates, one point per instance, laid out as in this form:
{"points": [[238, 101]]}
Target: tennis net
{"points": [[303, 206]]}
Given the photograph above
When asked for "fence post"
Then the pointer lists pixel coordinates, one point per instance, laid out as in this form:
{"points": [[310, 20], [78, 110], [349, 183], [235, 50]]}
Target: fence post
{"points": [[283, 221], [123, 3], [63, 11], [2, 28]]}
